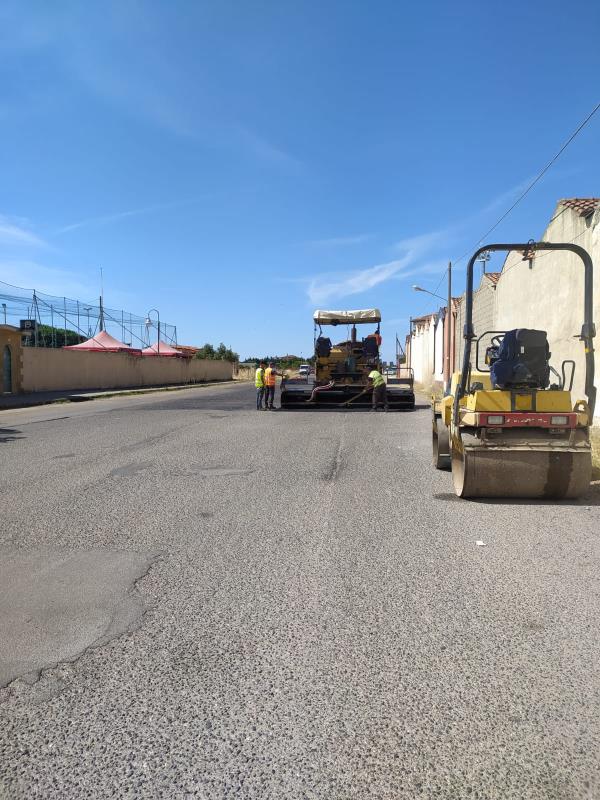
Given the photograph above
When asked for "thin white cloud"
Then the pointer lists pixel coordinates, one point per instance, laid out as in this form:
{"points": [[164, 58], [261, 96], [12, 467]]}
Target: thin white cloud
{"points": [[322, 288], [265, 150], [102, 220], [106, 219], [49, 280], [340, 241], [17, 232], [424, 241]]}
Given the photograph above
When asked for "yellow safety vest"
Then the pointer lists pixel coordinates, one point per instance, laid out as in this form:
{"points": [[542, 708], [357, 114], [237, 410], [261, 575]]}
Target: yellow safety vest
{"points": [[259, 380], [270, 377], [377, 378]]}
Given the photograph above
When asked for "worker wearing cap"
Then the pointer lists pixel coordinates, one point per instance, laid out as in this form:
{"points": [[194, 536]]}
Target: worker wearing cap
{"points": [[259, 382], [377, 381], [270, 382]]}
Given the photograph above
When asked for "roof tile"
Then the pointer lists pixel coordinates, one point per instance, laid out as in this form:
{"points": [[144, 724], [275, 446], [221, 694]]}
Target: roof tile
{"points": [[584, 206]]}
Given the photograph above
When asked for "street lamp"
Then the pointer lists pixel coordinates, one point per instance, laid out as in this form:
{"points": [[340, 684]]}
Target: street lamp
{"points": [[88, 309], [420, 289], [483, 260], [149, 322]]}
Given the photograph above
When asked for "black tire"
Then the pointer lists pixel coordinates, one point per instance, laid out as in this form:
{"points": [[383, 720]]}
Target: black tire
{"points": [[441, 445]]}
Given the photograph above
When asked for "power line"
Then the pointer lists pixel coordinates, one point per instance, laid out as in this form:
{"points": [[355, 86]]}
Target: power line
{"points": [[533, 182]]}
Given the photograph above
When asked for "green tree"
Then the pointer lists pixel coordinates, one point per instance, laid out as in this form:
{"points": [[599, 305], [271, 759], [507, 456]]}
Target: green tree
{"points": [[206, 351], [47, 336], [221, 353]]}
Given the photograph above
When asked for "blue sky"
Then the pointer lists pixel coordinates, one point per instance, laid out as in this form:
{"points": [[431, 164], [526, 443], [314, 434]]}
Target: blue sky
{"points": [[237, 164]]}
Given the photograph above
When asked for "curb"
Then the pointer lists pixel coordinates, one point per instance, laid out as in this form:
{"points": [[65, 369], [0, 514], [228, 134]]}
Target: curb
{"points": [[87, 396]]}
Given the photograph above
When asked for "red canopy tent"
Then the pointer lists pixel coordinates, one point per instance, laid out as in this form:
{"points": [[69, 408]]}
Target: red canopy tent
{"points": [[165, 350], [103, 342]]}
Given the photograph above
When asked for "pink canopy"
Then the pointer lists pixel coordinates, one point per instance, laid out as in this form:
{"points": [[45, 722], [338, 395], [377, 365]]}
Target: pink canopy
{"points": [[165, 350], [105, 343]]}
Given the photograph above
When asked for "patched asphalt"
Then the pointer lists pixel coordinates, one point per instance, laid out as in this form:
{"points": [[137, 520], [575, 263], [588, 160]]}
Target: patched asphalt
{"points": [[312, 617]]}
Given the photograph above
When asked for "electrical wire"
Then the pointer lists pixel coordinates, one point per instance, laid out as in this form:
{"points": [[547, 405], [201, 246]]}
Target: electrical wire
{"points": [[533, 182]]}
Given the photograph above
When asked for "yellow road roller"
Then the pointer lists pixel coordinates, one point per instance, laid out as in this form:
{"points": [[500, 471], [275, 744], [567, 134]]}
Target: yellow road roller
{"points": [[508, 427]]}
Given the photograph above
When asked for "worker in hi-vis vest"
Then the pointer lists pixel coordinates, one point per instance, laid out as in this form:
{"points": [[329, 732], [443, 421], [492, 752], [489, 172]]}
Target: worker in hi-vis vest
{"points": [[270, 381], [259, 382], [377, 380]]}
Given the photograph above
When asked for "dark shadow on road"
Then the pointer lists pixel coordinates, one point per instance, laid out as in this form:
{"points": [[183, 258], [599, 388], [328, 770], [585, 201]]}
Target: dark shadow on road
{"points": [[8, 435], [448, 496], [590, 498], [342, 409]]}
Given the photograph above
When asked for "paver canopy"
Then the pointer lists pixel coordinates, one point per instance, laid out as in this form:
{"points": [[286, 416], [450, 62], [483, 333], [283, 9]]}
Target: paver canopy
{"points": [[104, 342], [347, 317]]}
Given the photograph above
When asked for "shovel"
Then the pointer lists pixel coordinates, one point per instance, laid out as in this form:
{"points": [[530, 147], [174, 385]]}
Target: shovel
{"points": [[346, 403]]}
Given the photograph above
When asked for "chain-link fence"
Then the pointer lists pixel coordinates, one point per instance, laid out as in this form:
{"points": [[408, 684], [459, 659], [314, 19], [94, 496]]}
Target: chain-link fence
{"points": [[50, 321]]}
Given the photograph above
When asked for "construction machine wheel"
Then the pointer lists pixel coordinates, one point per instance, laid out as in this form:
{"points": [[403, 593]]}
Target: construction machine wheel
{"points": [[534, 472], [441, 445]]}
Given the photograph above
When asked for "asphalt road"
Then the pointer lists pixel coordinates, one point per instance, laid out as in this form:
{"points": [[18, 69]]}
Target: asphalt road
{"points": [[199, 600]]}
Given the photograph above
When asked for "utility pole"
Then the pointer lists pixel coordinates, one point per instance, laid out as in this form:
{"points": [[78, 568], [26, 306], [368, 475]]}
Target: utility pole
{"points": [[35, 314], [447, 366]]}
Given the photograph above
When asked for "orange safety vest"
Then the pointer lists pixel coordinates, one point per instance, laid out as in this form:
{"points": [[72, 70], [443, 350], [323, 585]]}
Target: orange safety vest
{"points": [[270, 377]]}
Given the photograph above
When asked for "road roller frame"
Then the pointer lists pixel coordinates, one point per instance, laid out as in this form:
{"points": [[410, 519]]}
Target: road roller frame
{"points": [[536, 444]]}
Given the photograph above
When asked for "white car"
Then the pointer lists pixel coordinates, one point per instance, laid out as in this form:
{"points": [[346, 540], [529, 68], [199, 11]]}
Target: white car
{"points": [[304, 369]]}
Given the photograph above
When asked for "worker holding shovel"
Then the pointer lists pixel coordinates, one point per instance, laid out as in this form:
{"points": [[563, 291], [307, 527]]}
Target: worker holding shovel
{"points": [[377, 381]]}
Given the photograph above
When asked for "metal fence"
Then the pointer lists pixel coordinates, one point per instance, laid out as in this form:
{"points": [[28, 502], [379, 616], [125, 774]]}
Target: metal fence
{"points": [[51, 321]]}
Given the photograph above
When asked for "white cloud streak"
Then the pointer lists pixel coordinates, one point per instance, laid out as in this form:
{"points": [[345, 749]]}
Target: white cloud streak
{"points": [[323, 288], [106, 219], [143, 81], [42, 278], [340, 241], [16, 232]]}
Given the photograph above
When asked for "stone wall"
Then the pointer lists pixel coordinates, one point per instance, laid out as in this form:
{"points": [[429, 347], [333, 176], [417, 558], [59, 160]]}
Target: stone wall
{"points": [[484, 319]]}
